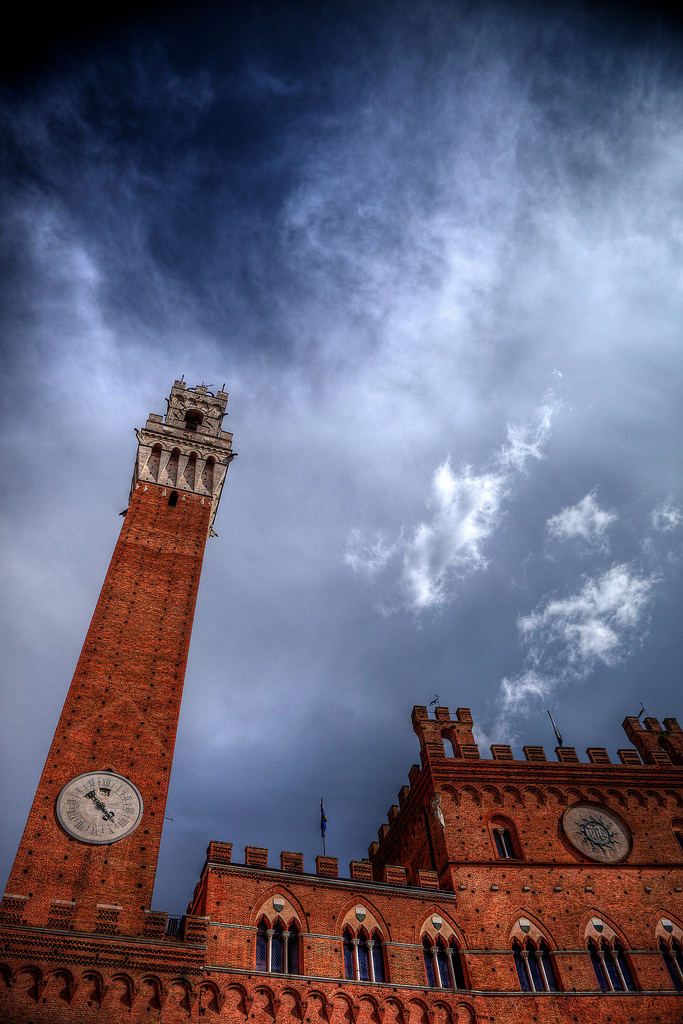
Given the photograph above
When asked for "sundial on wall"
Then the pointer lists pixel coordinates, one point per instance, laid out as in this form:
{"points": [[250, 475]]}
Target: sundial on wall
{"points": [[597, 833]]}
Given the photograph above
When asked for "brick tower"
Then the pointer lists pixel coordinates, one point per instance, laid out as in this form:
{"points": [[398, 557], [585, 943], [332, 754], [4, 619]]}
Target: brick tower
{"points": [[88, 856]]}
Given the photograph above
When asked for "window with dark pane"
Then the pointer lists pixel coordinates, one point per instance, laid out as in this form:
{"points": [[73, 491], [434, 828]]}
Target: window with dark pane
{"points": [[620, 958], [524, 982], [293, 950], [597, 967], [261, 947], [674, 964], [550, 975], [363, 959], [442, 964], [429, 964], [377, 958], [276, 943], [349, 968]]}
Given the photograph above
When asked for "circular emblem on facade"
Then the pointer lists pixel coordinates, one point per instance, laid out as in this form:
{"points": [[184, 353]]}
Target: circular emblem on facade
{"points": [[99, 807], [597, 833]]}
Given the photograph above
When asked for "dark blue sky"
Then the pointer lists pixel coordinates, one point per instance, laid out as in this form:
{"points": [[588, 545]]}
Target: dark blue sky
{"points": [[434, 252]]}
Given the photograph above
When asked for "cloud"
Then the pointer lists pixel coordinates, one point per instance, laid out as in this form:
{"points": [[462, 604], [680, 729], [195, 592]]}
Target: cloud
{"points": [[585, 520], [666, 516], [467, 509], [569, 636]]}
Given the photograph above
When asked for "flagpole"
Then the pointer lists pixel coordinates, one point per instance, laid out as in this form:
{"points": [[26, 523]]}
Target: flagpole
{"points": [[323, 824]]}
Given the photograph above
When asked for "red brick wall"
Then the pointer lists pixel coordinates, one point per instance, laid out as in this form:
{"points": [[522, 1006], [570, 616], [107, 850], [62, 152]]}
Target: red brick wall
{"points": [[120, 714]]}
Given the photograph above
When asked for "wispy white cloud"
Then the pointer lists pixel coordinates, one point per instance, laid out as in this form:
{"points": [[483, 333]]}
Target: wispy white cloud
{"points": [[666, 516], [467, 507], [585, 520], [567, 637]]}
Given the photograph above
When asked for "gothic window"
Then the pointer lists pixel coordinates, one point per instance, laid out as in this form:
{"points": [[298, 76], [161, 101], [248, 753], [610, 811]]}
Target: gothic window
{"points": [[363, 959], [610, 966], [673, 958], [678, 832], [505, 839], [277, 948], [443, 964], [534, 966]]}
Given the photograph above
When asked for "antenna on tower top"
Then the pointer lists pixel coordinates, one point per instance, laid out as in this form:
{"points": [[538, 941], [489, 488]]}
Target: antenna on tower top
{"points": [[642, 711], [435, 701], [557, 731]]}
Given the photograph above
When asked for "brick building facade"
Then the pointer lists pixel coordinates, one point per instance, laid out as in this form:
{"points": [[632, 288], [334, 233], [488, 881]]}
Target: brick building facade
{"points": [[498, 889]]}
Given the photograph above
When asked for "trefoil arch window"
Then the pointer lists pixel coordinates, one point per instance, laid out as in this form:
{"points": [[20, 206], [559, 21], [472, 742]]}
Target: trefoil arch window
{"points": [[610, 966], [277, 948], [534, 966], [443, 964], [673, 958], [363, 957]]}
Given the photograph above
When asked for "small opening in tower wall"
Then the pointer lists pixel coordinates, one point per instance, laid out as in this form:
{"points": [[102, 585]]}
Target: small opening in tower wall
{"points": [[193, 419], [173, 499]]}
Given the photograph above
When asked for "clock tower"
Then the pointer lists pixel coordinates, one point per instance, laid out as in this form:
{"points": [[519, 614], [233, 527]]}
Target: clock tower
{"points": [[89, 851]]}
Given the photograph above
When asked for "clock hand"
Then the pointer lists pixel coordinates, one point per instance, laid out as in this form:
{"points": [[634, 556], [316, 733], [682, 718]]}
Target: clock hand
{"points": [[107, 815]]}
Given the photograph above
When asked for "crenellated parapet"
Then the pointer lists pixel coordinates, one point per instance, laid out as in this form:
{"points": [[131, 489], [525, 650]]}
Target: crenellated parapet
{"points": [[187, 450], [455, 795]]}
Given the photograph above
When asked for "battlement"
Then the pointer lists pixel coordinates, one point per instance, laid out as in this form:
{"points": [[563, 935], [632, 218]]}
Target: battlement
{"points": [[186, 450], [450, 757]]}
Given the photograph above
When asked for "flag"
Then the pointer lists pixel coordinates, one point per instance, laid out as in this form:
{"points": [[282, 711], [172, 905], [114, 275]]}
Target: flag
{"points": [[323, 819]]}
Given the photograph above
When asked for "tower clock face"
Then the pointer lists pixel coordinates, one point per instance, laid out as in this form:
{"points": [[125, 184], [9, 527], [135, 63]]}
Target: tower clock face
{"points": [[99, 807]]}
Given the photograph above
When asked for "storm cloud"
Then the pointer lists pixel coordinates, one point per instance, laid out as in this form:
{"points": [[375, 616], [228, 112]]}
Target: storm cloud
{"points": [[433, 250]]}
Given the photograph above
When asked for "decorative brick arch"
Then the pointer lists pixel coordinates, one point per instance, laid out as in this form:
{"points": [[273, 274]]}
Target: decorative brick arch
{"points": [[373, 919], [448, 931], [537, 929], [292, 910], [610, 931]]}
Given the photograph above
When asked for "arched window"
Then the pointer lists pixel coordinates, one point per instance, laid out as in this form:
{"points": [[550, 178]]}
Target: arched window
{"points": [[678, 832], [293, 949], [173, 499], [376, 956], [277, 949], [363, 959], [610, 966], [443, 964], [505, 839], [534, 966], [193, 419], [349, 966], [673, 958]]}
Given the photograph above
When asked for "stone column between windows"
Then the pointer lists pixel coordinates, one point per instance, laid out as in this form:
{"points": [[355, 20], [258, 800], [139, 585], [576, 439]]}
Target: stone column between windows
{"points": [[451, 970], [269, 949], [671, 954], [541, 967], [605, 972], [615, 957], [434, 950], [356, 965], [285, 952], [530, 978], [371, 964]]}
